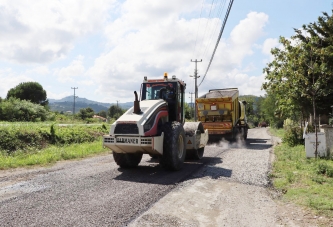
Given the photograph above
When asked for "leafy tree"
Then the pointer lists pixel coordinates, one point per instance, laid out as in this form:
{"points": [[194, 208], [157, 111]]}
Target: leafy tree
{"points": [[30, 91], [102, 113], [301, 75], [115, 111], [85, 113], [253, 110], [188, 111], [273, 115]]}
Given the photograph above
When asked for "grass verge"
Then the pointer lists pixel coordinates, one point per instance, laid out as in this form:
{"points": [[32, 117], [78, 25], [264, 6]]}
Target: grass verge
{"points": [[277, 132], [51, 154], [305, 181]]}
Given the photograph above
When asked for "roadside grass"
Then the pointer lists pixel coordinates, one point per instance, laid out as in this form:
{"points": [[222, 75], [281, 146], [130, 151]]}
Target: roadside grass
{"points": [[51, 154], [277, 132], [305, 181]]}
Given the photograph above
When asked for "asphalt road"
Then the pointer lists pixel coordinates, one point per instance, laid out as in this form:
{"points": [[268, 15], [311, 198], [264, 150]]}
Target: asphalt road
{"points": [[95, 192]]}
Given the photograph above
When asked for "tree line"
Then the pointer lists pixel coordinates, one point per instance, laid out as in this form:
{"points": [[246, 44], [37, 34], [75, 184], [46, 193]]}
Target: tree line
{"points": [[28, 102]]}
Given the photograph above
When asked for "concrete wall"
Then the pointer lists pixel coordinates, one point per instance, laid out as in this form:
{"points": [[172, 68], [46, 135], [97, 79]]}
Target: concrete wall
{"points": [[328, 130]]}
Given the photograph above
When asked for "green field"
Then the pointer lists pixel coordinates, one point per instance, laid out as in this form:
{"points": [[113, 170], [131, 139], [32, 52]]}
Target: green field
{"points": [[305, 181], [26, 144]]}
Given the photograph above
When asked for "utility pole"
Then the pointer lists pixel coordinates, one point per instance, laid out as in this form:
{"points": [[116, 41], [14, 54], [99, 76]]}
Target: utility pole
{"points": [[195, 86], [191, 93], [74, 100]]}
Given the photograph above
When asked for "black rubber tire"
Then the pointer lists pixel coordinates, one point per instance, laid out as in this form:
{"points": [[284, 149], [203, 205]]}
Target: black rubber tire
{"points": [[127, 160], [245, 133], [154, 156], [195, 154], [174, 148]]}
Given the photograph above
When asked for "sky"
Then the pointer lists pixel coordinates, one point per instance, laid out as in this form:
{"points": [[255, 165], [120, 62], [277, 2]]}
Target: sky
{"points": [[105, 48]]}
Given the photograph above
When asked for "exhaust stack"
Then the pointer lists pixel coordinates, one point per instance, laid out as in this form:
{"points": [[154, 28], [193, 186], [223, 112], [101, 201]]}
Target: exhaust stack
{"points": [[137, 109]]}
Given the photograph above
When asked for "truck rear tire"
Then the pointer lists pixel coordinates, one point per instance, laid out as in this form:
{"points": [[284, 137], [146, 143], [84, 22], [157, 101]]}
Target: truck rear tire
{"points": [[245, 133], [127, 160], [174, 149]]}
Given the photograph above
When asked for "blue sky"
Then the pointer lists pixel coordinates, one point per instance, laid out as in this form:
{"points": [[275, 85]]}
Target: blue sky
{"points": [[106, 47]]}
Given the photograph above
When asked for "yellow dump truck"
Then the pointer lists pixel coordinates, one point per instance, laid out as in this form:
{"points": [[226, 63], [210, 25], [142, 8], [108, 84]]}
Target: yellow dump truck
{"points": [[222, 114]]}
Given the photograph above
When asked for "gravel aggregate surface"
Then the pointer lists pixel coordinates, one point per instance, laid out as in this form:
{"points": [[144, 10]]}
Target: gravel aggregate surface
{"points": [[228, 187]]}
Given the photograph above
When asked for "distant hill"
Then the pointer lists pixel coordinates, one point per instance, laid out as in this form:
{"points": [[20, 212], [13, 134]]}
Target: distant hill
{"points": [[66, 104]]}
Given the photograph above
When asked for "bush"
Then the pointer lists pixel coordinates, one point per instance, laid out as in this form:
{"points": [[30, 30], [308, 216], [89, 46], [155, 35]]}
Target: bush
{"points": [[36, 136], [22, 110], [324, 168], [293, 136]]}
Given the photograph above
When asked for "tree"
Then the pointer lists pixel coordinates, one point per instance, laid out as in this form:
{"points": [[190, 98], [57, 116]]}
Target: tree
{"points": [[301, 75], [102, 113], [115, 111], [85, 113], [188, 111], [30, 91]]}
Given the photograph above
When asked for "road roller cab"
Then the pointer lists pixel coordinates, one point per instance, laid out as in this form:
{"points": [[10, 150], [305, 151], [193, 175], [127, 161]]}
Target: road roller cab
{"points": [[155, 125]]}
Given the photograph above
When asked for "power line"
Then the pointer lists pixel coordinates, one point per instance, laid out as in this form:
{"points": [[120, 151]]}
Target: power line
{"points": [[218, 39], [214, 27], [203, 36]]}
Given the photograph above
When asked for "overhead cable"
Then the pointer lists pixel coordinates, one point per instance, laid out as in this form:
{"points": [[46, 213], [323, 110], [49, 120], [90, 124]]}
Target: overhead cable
{"points": [[218, 39]]}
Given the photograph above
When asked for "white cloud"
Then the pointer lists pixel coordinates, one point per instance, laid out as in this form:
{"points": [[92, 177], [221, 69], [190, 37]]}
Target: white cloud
{"points": [[75, 69], [150, 39], [227, 69], [40, 70], [51, 95], [269, 44], [10, 79], [41, 31]]}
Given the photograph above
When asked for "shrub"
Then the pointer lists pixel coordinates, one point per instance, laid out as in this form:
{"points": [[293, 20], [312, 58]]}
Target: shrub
{"points": [[293, 136], [22, 110], [34, 136], [324, 168]]}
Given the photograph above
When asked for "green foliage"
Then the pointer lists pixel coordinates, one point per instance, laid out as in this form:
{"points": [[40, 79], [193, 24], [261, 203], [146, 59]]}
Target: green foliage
{"points": [[51, 154], [301, 74], [115, 111], [293, 136], [322, 167], [15, 138], [30, 91], [254, 112], [85, 113], [303, 180], [22, 110], [102, 113], [188, 112], [277, 132]]}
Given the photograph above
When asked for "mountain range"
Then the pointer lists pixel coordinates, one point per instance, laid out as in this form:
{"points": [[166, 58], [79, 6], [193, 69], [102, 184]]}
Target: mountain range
{"points": [[67, 104]]}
